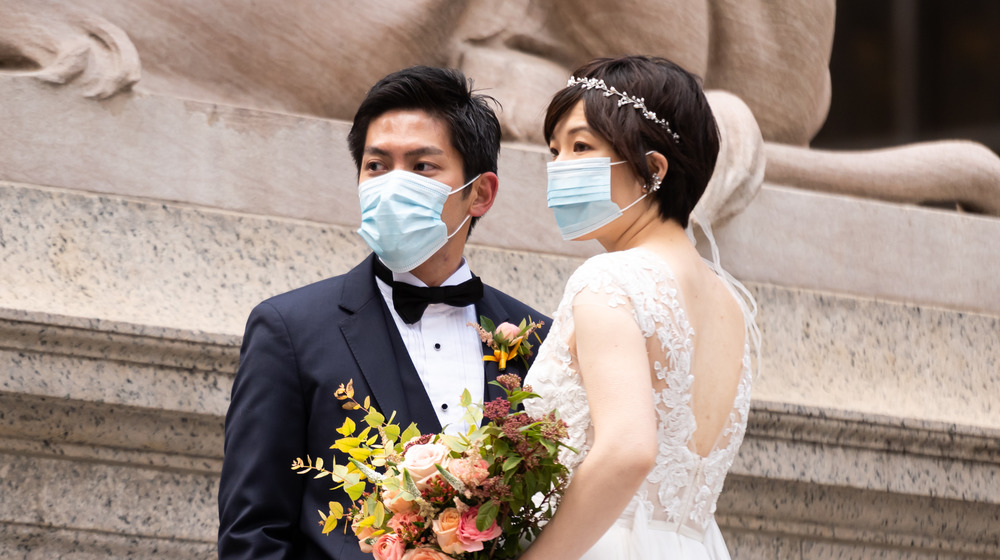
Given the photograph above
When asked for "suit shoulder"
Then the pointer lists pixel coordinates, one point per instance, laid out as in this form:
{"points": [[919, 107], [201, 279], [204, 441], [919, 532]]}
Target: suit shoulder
{"points": [[306, 306], [515, 307], [328, 289]]}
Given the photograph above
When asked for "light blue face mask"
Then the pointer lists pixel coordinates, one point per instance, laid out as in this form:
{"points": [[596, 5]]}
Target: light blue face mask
{"points": [[401, 217], [579, 194]]}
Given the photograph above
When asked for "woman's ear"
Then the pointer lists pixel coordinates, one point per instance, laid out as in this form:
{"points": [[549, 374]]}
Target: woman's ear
{"points": [[657, 164]]}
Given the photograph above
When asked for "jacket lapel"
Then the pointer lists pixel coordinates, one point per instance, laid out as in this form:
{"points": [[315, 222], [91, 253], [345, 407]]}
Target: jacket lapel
{"points": [[367, 333]]}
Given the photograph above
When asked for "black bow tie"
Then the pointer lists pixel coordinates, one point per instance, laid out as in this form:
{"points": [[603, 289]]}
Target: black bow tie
{"points": [[410, 301]]}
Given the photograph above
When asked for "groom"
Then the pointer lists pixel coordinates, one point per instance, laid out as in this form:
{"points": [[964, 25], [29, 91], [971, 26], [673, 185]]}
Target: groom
{"points": [[426, 149]]}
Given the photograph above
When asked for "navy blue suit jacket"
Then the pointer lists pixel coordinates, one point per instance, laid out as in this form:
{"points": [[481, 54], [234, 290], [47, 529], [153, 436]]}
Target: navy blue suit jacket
{"points": [[297, 349]]}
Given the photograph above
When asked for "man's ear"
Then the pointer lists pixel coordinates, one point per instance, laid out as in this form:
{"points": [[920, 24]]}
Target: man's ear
{"points": [[484, 193]]}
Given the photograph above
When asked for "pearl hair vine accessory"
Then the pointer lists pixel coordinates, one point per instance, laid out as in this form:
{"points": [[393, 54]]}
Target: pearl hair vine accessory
{"points": [[637, 103]]}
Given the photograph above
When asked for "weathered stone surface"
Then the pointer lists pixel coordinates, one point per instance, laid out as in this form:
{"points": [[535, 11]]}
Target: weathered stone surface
{"points": [[117, 271], [302, 57], [151, 146], [288, 57], [865, 248], [84, 477], [139, 229]]}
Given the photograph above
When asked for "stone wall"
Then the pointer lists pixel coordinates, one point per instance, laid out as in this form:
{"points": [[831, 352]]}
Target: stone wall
{"points": [[137, 233]]}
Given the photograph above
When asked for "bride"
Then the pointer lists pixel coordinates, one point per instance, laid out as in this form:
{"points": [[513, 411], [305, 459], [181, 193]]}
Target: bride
{"points": [[648, 358]]}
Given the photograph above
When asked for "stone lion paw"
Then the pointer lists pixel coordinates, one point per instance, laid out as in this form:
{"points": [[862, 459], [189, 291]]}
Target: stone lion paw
{"points": [[63, 47]]}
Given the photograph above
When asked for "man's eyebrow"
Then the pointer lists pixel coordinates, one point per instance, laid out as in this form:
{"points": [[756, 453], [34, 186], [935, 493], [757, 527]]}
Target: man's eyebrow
{"points": [[375, 151], [416, 152], [426, 151]]}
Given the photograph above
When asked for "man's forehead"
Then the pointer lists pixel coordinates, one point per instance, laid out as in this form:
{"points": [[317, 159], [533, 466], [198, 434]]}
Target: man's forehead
{"points": [[411, 130]]}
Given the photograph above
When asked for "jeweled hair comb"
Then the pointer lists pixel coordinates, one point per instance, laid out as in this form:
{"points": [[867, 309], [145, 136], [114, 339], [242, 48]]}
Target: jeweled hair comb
{"points": [[637, 103]]}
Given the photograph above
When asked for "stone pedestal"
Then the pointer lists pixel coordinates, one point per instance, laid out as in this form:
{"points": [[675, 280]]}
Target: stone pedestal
{"points": [[136, 234]]}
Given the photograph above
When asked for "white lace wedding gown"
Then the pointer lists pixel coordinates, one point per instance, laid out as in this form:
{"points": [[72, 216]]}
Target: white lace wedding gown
{"points": [[672, 514]]}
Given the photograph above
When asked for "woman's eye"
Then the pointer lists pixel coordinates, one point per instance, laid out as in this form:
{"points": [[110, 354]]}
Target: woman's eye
{"points": [[554, 152], [580, 147]]}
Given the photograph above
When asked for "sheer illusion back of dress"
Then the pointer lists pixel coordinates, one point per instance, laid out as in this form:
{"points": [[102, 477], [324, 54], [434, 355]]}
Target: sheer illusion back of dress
{"points": [[679, 495]]}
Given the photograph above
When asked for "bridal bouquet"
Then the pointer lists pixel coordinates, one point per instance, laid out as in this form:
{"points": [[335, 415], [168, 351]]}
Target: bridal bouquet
{"points": [[481, 494]]}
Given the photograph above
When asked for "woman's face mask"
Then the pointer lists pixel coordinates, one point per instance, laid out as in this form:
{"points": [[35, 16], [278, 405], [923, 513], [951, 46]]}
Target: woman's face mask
{"points": [[579, 194]]}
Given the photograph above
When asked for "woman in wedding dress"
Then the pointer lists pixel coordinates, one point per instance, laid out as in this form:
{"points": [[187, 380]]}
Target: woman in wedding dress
{"points": [[649, 355]]}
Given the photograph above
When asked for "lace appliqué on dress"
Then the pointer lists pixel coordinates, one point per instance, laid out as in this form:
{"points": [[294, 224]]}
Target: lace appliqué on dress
{"points": [[683, 487]]}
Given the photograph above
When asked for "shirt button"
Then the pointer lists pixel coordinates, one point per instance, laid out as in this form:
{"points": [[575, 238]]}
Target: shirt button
{"points": [[444, 406], [437, 346]]}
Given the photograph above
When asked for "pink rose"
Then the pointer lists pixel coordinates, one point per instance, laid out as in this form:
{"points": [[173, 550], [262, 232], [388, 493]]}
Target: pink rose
{"points": [[403, 522], [472, 472], [509, 332], [445, 528], [424, 553], [389, 547], [394, 502], [420, 459], [471, 537]]}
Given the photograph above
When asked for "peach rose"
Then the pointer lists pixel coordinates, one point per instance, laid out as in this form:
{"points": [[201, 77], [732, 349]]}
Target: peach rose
{"points": [[509, 331], [472, 472], [394, 502], [389, 547], [363, 534], [471, 537], [424, 553], [445, 527], [419, 460]]}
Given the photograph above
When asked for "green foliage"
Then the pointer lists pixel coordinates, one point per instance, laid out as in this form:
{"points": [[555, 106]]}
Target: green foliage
{"points": [[508, 468], [487, 515]]}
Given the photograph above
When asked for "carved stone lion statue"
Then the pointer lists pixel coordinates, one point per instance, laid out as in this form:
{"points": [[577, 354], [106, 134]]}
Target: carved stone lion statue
{"points": [[764, 63]]}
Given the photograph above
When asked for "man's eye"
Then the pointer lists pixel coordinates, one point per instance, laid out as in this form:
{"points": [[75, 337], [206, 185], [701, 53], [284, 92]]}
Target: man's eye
{"points": [[373, 166], [423, 167]]}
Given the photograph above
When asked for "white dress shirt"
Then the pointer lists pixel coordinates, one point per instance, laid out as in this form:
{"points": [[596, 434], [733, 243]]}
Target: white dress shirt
{"points": [[446, 352]]}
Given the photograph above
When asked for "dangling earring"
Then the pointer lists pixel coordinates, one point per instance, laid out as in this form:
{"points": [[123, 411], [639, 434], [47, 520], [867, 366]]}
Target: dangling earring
{"points": [[656, 184]]}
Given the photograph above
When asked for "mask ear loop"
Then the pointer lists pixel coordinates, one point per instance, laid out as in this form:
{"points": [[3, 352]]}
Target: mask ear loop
{"points": [[636, 201], [468, 216], [459, 228], [460, 189], [644, 194]]}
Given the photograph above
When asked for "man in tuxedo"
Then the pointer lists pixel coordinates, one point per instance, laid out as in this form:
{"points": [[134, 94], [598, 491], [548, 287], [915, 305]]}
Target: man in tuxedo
{"points": [[426, 149]]}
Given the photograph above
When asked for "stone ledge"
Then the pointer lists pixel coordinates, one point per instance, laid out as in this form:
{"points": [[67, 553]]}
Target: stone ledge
{"points": [[865, 248], [791, 443], [792, 519], [848, 429], [102, 453], [870, 452], [100, 432], [117, 341], [114, 498], [298, 168], [25, 541]]}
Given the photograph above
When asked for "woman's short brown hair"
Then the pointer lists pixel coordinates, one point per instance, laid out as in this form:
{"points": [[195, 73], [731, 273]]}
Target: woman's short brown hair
{"points": [[673, 94]]}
